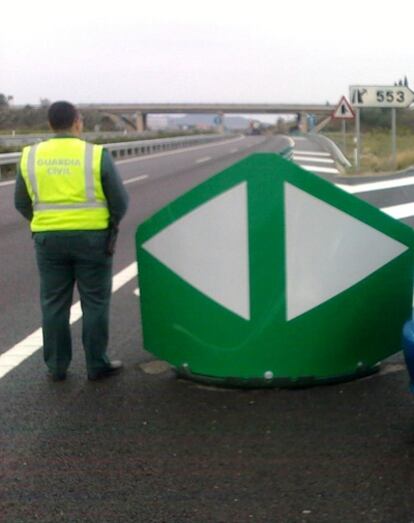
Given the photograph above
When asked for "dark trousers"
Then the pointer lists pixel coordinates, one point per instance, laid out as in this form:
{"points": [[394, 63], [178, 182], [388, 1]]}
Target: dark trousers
{"points": [[64, 258]]}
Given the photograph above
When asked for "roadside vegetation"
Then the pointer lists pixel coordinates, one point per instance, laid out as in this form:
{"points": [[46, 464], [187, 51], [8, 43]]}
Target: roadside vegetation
{"points": [[376, 149], [376, 153]]}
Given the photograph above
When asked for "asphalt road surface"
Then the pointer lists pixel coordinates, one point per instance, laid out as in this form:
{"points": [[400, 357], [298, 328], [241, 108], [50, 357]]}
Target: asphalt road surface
{"points": [[146, 447]]}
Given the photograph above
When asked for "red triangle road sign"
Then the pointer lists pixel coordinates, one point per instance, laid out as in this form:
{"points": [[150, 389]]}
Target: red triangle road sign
{"points": [[343, 110]]}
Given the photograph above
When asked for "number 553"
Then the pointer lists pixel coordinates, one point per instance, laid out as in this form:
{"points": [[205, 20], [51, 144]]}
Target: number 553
{"points": [[390, 96]]}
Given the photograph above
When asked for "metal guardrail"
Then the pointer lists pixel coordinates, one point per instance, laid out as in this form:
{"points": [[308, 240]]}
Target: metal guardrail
{"points": [[139, 148], [20, 140], [331, 147], [287, 152], [147, 147]]}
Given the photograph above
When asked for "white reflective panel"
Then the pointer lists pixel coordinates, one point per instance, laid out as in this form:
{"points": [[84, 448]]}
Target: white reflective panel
{"points": [[327, 251], [209, 249]]}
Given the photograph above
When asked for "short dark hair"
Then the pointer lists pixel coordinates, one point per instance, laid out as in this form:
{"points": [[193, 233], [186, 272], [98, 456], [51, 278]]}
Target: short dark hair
{"points": [[62, 115]]}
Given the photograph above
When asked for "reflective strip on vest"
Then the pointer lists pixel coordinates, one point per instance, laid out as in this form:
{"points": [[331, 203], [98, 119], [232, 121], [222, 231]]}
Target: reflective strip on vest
{"points": [[91, 202], [31, 162], [89, 180], [68, 206]]}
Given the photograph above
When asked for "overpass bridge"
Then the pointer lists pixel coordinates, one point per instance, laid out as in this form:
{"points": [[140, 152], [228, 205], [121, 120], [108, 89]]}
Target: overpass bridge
{"points": [[139, 112]]}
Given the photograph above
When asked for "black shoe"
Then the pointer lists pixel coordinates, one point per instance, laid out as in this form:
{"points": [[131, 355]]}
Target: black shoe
{"points": [[57, 375], [113, 368]]}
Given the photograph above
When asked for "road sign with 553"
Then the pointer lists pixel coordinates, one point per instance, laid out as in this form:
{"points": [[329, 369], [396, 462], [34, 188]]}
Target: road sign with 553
{"points": [[381, 96]]}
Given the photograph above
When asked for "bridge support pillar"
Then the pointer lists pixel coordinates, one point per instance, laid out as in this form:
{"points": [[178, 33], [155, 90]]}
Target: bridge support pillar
{"points": [[304, 122], [141, 122]]}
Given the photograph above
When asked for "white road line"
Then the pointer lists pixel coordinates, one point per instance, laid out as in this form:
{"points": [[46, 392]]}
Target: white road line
{"points": [[3, 184], [311, 153], [202, 160], [317, 169], [377, 186], [136, 179], [179, 151], [32, 343], [312, 159], [405, 210], [234, 150]]}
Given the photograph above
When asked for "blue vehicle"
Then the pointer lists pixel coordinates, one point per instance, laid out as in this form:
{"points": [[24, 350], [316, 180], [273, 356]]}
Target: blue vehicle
{"points": [[408, 346]]}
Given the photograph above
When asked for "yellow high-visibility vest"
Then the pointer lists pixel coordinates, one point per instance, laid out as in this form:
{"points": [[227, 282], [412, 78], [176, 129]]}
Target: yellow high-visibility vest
{"points": [[63, 179]]}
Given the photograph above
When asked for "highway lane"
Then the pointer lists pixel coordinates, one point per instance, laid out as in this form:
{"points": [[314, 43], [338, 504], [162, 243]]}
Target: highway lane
{"points": [[167, 176], [148, 448]]}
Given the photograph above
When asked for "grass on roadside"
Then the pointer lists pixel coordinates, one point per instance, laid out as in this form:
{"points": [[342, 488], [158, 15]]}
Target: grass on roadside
{"points": [[376, 152]]}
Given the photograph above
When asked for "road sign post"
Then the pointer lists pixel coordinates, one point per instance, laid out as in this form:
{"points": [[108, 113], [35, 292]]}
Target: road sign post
{"points": [[267, 275], [391, 97], [343, 112], [394, 138], [358, 139]]}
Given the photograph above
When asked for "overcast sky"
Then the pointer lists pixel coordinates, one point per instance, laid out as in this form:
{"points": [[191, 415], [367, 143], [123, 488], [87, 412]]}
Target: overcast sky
{"points": [[208, 51]]}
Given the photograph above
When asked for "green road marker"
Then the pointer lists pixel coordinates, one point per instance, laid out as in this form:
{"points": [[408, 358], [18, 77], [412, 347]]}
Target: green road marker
{"points": [[266, 275]]}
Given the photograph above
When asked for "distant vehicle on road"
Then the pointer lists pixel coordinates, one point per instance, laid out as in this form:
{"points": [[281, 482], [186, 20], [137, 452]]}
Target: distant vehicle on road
{"points": [[255, 128]]}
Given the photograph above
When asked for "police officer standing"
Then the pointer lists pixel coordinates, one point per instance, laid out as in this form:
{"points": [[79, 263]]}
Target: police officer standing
{"points": [[73, 197]]}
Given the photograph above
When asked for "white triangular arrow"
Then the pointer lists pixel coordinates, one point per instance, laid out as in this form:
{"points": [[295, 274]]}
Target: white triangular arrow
{"points": [[327, 251], [208, 248]]}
